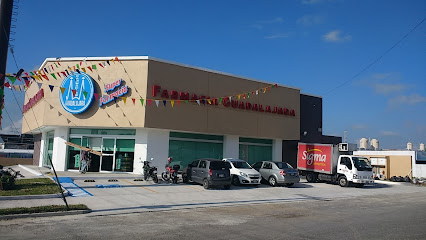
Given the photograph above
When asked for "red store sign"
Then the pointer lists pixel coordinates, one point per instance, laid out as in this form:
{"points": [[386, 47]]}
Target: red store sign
{"points": [[33, 100], [175, 95]]}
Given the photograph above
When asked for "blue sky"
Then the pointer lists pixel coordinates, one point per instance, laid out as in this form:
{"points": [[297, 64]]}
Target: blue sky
{"points": [[315, 45]]}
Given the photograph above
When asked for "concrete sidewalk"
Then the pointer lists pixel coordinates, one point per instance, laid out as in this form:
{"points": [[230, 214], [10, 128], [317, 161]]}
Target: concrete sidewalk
{"points": [[124, 195]]}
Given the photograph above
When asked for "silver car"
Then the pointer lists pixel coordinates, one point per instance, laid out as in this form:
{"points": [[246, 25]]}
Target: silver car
{"points": [[277, 173]]}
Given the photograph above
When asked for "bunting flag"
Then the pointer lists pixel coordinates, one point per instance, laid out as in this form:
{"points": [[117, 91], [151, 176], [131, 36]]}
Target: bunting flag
{"points": [[178, 103], [53, 75], [59, 63], [94, 67], [149, 102], [230, 98], [116, 59], [157, 102], [6, 84], [108, 62], [68, 121], [208, 100], [220, 100], [172, 103], [244, 96], [89, 68], [141, 101], [134, 101], [84, 70], [248, 95], [124, 99], [64, 74], [100, 64], [78, 66], [164, 102], [51, 87], [59, 114], [257, 92], [12, 79], [198, 101], [239, 96], [78, 71], [62, 90], [269, 88], [39, 85]]}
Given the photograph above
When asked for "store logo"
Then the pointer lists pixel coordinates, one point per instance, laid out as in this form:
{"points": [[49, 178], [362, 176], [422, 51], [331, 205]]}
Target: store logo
{"points": [[117, 89], [78, 93], [313, 157]]}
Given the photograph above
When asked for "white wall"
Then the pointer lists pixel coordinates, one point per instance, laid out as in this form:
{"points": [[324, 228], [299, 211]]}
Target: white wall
{"points": [[277, 150], [151, 143], [42, 144], [60, 148], [231, 146]]}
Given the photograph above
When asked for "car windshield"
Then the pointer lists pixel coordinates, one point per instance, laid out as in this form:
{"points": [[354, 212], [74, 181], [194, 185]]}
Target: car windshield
{"points": [[240, 164], [283, 165], [362, 164], [219, 165]]}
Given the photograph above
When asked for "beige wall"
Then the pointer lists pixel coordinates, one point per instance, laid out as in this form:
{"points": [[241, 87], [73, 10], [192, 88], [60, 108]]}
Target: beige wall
{"points": [[142, 75], [219, 119], [49, 111], [395, 165]]}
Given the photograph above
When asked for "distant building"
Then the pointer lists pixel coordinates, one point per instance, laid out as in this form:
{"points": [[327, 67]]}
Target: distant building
{"points": [[16, 149]]}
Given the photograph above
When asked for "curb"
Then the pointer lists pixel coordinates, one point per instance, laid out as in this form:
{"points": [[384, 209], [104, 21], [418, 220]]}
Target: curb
{"points": [[29, 197], [44, 214]]}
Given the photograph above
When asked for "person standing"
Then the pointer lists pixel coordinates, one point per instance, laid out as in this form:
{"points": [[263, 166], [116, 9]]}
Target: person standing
{"points": [[84, 160]]}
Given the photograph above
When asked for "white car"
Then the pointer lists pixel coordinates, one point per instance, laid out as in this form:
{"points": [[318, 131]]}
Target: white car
{"points": [[242, 172]]}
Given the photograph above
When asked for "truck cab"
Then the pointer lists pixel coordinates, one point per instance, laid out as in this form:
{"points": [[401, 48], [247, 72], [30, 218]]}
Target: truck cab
{"points": [[354, 169]]}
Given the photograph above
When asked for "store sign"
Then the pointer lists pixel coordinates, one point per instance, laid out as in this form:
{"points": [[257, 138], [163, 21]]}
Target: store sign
{"points": [[78, 94], [175, 95], [119, 91], [33, 100]]}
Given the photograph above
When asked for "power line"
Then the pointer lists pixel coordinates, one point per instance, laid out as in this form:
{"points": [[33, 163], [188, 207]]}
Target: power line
{"points": [[377, 59]]}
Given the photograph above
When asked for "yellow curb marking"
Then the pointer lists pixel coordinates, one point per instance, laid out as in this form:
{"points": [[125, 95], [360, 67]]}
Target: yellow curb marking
{"points": [[139, 186]]}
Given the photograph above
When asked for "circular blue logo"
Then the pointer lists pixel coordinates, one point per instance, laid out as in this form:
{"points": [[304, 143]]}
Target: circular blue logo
{"points": [[78, 93]]}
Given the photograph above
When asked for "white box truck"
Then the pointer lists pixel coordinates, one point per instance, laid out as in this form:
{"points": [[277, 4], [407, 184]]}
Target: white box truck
{"points": [[333, 163]]}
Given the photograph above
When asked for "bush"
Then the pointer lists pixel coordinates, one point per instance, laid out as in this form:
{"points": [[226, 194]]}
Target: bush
{"points": [[7, 181]]}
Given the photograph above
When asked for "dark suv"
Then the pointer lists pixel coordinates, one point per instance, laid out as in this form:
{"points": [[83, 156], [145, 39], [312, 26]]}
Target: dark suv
{"points": [[209, 172]]}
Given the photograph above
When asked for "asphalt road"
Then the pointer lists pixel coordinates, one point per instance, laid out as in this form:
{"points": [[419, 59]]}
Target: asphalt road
{"points": [[393, 216]]}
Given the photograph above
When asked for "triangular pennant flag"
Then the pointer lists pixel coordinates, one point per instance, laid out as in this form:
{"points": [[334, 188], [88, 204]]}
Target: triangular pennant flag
{"points": [[141, 101], [60, 114], [59, 64], [99, 78], [64, 74], [27, 83], [149, 102], [67, 72], [276, 85], [56, 65], [53, 75], [157, 102], [124, 99], [264, 90], [208, 100], [116, 59], [45, 70], [230, 98], [12, 79], [172, 103], [73, 92], [39, 85], [73, 68], [220, 100], [244, 96], [108, 62], [85, 94], [62, 90], [59, 74], [257, 92], [84, 70], [104, 64], [94, 67], [248, 95], [178, 103], [96, 96], [51, 87], [81, 63], [164, 102], [239, 96], [134, 101], [89, 68], [78, 71], [269, 88], [198, 101], [6, 84], [100, 64], [68, 121], [78, 66]]}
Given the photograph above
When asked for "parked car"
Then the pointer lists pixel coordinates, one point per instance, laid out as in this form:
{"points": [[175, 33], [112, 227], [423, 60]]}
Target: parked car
{"points": [[242, 172], [277, 173], [208, 172]]}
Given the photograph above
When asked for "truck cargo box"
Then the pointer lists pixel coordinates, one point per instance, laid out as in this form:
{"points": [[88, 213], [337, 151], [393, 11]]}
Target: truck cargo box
{"points": [[321, 158]]}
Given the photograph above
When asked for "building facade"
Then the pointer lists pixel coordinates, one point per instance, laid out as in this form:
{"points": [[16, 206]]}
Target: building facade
{"points": [[133, 109]]}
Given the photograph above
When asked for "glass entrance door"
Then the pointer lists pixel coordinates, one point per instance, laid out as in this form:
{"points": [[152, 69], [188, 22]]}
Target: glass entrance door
{"points": [[108, 154]]}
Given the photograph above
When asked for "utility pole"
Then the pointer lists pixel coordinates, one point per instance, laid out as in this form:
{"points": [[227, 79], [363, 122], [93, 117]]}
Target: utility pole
{"points": [[5, 22]]}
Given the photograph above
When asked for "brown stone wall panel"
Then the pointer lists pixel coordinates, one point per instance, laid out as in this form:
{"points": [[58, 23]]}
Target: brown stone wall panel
{"points": [[399, 165]]}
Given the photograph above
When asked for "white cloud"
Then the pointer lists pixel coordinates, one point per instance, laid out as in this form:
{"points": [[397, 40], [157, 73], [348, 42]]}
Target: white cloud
{"points": [[386, 89], [336, 36], [259, 25], [412, 99], [389, 133], [14, 128], [279, 35], [309, 20]]}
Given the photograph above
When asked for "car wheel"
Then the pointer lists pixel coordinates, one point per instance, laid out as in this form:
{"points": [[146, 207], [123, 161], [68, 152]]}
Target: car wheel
{"points": [[343, 182], [289, 184], [235, 181], [185, 178], [310, 177], [227, 187], [206, 184], [272, 181]]}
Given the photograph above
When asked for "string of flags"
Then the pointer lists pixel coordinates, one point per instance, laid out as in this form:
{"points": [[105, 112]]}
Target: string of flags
{"points": [[42, 74]]}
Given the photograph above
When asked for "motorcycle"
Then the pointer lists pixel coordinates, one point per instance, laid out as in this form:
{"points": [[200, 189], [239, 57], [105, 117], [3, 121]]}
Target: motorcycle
{"points": [[149, 171], [171, 173]]}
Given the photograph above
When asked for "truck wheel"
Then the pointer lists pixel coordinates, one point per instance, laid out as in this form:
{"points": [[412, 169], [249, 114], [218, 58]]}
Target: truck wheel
{"points": [[206, 184], [235, 180], [272, 181], [310, 177], [343, 182]]}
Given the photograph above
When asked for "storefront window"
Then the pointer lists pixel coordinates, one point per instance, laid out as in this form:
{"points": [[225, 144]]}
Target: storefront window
{"points": [[124, 155], [48, 149], [74, 154], [254, 150]]}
